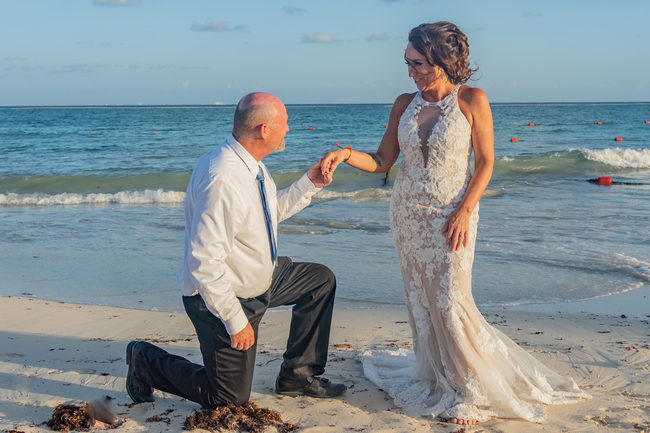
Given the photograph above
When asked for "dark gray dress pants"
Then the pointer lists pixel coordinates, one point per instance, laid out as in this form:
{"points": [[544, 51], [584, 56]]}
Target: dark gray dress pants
{"points": [[227, 374]]}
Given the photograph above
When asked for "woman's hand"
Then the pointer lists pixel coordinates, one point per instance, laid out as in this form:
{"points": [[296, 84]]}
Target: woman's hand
{"points": [[457, 229], [317, 177], [332, 159]]}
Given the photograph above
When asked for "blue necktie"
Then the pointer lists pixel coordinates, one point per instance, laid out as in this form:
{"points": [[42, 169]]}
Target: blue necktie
{"points": [[267, 216]]}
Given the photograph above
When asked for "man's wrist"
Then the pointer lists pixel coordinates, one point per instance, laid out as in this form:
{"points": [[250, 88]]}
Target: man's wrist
{"points": [[236, 324]]}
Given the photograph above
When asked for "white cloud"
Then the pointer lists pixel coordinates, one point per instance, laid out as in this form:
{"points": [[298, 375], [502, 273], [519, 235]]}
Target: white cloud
{"points": [[377, 37], [216, 26], [210, 26], [14, 59], [317, 38], [293, 10], [117, 2], [32, 68], [80, 68]]}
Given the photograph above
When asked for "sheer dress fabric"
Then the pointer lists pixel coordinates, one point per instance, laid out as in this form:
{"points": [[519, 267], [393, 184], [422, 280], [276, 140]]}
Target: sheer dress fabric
{"points": [[461, 366]]}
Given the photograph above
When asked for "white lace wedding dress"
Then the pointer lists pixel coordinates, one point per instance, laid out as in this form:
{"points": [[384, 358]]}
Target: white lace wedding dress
{"points": [[462, 366]]}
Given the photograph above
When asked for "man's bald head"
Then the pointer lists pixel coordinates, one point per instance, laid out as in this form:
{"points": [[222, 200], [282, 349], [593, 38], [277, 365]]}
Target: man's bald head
{"points": [[253, 110]]}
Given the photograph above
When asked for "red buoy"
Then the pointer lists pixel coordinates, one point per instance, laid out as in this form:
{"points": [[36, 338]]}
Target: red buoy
{"points": [[514, 140], [154, 132], [599, 123], [92, 132], [647, 121], [311, 128], [604, 180], [336, 144], [618, 139], [531, 124], [386, 126]]}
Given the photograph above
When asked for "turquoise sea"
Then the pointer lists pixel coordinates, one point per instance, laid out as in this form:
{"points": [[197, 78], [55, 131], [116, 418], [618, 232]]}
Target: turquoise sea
{"points": [[91, 202]]}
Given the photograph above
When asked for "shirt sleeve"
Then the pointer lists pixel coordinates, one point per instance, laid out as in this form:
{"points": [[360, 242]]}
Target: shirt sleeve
{"points": [[295, 197], [216, 215]]}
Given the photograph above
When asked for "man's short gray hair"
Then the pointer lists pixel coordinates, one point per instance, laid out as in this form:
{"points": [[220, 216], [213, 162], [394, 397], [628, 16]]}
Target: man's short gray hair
{"points": [[251, 113]]}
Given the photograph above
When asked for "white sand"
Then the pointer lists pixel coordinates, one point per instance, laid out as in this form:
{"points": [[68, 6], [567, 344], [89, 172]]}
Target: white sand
{"points": [[52, 353]]}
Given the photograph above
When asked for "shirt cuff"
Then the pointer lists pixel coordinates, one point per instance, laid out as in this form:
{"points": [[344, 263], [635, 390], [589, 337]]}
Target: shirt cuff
{"points": [[305, 185], [236, 324]]}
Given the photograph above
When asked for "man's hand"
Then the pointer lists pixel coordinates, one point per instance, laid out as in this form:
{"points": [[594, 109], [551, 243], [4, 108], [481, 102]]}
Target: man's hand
{"points": [[244, 339], [317, 177]]}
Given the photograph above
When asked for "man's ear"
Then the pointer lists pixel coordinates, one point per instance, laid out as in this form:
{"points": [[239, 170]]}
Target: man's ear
{"points": [[264, 130]]}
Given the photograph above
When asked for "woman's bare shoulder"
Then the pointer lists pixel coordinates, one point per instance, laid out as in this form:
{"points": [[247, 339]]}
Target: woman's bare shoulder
{"points": [[472, 96], [403, 100]]}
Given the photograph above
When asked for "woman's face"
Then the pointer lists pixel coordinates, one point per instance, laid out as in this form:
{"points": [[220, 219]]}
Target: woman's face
{"points": [[424, 75]]}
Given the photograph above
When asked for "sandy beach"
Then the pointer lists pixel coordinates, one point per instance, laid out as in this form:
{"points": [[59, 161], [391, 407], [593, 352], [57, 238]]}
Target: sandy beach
{"points": [[54, 353]]}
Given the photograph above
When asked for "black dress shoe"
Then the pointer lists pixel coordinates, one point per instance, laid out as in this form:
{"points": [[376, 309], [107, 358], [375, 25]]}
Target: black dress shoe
{"points": [[138, 390], [311, 386]]}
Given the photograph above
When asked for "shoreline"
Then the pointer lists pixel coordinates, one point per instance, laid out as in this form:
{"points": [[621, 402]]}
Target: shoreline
{"points": [[632, 303], [55, 352]]}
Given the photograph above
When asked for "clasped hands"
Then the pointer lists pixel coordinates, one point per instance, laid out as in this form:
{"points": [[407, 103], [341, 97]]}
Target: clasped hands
{"points": [[322, 172]]}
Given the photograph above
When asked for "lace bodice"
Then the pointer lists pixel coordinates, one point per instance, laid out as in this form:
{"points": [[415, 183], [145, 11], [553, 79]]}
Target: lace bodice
{"points": [[435, 142]]}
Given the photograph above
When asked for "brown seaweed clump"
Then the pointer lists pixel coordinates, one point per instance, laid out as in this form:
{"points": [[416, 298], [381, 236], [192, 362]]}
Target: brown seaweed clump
{"points": [[161, 417], [68, 417], [247, 417]]}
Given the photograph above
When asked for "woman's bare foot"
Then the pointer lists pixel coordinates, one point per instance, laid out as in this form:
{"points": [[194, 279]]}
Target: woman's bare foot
{"points": [[463, 421]]}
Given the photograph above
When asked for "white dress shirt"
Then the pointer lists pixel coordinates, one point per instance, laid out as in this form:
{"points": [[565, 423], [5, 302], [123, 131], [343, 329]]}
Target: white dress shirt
{"points": [[227, 249]]}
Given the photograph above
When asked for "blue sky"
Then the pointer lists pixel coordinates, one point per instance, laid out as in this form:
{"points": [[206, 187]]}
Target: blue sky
{"points": [[87, 52]]}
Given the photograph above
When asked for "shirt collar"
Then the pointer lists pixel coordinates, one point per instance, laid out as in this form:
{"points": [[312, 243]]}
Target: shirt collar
{"points": [[250, 162]]}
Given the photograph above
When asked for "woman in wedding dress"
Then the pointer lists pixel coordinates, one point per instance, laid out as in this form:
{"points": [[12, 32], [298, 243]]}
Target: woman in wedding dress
{"points": [[462, 368]]}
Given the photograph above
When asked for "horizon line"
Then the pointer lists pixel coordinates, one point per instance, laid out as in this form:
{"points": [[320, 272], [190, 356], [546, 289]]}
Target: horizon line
{"points": [[306, 105]]}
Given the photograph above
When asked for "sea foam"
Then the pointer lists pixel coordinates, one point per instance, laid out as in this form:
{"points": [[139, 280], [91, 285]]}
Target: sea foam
{"points": [[123, 197], [617, 157], [362, 195]]}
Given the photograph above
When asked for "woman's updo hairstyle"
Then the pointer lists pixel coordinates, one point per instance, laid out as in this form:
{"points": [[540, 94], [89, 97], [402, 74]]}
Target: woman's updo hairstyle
{"points": [[443, 44]]}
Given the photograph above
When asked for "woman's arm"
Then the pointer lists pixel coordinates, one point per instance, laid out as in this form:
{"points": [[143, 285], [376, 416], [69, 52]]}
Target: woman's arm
{"points": [[475, 106], [387, 153]]}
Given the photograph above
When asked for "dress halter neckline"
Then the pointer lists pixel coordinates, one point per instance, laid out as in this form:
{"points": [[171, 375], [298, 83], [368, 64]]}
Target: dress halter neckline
{"points": [[443, 100]]}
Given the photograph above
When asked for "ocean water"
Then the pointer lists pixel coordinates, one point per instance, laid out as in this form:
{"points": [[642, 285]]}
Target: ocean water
{"points": [[91, 202]]}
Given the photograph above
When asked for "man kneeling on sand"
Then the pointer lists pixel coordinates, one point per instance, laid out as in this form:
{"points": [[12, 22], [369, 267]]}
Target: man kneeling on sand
{"points": [[231, 274]]}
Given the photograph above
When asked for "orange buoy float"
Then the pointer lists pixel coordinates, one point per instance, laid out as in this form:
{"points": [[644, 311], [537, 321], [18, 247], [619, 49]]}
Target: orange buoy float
{"points": [[336, 144], [311, 128], [92, 132], [154, 132], [514, 140], [647, 121], [599, 123], [618, 139], [604, 180], [386, 126], [531, 124]]}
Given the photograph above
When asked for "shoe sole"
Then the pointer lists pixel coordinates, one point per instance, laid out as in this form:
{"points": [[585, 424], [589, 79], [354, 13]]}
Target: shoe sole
{"points": [[129, 350]]}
